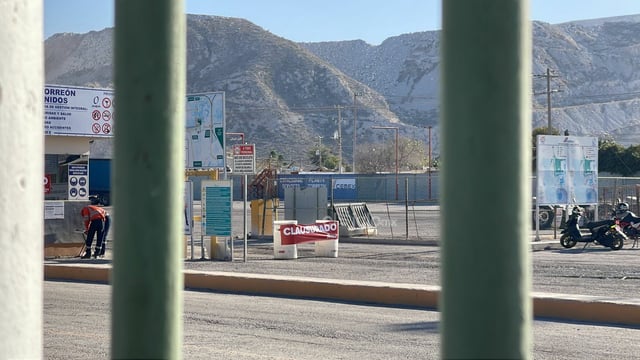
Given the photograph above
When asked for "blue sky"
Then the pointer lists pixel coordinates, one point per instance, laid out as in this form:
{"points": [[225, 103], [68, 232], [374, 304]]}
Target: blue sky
{"points": [[326, 20]]}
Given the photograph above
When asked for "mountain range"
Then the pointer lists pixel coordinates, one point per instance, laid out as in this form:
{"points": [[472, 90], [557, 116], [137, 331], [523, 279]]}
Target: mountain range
{"points": [[289, 97]]}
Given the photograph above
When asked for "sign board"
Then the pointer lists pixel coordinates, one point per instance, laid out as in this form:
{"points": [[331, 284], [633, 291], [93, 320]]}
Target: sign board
{"points": [[78, 182], [205, 131], [567, 169], [216, 207], [295, 233], [244, 159], [53, 210], [78, 111]]}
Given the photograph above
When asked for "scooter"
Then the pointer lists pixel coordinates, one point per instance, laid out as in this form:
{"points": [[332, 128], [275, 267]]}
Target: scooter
{"points": [[606, 233]]}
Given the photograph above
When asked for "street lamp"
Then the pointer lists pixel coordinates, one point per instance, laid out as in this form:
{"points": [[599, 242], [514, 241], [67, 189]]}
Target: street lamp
{"points": [[396, 151]]}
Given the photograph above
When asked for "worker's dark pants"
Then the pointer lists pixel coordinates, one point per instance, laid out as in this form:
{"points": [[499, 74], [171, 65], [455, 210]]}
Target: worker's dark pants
{"points": [[95, 227], [105, 231]]}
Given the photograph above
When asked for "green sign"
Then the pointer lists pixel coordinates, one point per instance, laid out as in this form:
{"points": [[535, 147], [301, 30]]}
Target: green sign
{"points": [[217, 205]]}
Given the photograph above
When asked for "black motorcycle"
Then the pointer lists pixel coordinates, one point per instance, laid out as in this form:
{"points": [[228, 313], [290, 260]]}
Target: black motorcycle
{"points": [[606, 233], [628, 221]]}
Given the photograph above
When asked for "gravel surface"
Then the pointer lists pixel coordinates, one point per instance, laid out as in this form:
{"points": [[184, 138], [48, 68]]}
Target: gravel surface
{"points": [[596, 270]]}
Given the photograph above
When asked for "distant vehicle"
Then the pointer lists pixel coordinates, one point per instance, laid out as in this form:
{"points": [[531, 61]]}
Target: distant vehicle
{"points": [[547, 213]]}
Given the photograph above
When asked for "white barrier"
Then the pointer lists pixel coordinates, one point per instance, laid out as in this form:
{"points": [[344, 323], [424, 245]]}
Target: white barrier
{"points": [[283, 251], [329, 247]]}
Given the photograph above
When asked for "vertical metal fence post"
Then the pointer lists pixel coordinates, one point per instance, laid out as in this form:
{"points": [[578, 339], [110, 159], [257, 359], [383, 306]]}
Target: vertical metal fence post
{"points": [[486, 127], [150, 77], [406, 208]]}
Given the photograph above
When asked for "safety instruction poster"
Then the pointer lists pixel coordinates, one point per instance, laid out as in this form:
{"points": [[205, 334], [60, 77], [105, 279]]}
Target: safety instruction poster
{"points": [[77, 111], [567, 168], [78, 179]]}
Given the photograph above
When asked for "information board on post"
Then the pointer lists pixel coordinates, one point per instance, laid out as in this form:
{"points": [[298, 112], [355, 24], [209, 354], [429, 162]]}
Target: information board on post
{"points": [[205, 131], [244, 159], [216, 207], [567, 170]]}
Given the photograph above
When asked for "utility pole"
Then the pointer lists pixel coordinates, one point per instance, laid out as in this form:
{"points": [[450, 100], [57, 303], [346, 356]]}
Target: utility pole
{"points": [[319, 151], [355, 120], [429, 168], [548, 76], [339, 139]]}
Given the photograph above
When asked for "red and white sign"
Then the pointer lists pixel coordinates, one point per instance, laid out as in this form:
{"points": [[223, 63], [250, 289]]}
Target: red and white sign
{"points": [[244, 159], [47, 184], [243, 149], [291, 234]]}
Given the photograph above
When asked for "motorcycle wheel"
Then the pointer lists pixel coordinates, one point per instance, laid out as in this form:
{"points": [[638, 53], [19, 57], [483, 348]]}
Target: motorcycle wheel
{"points": [[617, 243], [567, 241]]}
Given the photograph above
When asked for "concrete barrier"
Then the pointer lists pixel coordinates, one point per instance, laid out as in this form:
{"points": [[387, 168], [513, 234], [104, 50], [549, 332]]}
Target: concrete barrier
{"points": [[553, 306]]}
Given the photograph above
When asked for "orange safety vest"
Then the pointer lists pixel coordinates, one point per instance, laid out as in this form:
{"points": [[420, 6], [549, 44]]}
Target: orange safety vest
{"points": [[91, 212]]}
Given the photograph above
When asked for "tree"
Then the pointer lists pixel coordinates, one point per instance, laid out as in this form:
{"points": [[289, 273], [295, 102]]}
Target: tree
{"points": [[322, 156], [379, 157]]}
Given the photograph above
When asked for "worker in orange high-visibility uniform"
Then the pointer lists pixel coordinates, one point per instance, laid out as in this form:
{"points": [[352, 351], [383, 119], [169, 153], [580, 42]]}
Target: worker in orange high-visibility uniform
{"points": [[94, 217]]}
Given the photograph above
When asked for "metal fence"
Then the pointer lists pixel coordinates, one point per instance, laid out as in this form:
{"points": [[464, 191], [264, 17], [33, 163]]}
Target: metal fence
{"points": [[415, 214], [612, 190]]}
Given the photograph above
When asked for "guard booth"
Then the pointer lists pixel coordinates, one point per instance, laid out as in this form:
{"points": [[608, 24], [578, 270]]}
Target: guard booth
{"points": [[355, 219]]}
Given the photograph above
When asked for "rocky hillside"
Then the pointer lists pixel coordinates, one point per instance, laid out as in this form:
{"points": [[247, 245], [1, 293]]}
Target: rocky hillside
{"points": [[285, 95], [594, 67]]}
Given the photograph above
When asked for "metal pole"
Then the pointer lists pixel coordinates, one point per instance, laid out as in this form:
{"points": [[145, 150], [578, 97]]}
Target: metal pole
{"points": [[406, 208], [22, 192], [339, 140], [486, 130], [244, 217], [429, 168], [150, 86], [549, 101], [396, 129], [355, 120]]}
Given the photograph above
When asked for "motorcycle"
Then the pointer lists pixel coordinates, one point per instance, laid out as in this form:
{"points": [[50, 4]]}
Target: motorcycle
{"points": [[606, 233], [630, 225]]}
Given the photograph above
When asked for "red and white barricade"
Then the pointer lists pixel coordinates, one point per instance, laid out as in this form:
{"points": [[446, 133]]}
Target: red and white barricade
{"points": [[288, 234]]}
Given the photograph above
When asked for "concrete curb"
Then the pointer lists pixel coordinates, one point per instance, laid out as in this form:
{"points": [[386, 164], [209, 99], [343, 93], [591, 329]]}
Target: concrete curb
{"points": [[554, 306], [587, 308]]}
